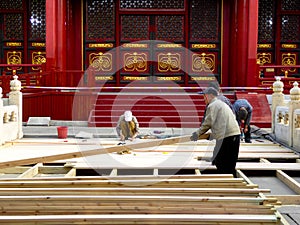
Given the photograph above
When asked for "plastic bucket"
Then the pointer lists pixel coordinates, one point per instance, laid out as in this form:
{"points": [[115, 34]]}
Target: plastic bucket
{"points": [[62, 132]]}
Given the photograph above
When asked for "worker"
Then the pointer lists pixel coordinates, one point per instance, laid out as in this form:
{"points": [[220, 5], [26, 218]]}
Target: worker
{"points": [[127, 127]]}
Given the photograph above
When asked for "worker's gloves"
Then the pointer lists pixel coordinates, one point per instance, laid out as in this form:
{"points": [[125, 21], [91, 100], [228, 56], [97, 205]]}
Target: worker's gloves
{"points": [[194, 136]]}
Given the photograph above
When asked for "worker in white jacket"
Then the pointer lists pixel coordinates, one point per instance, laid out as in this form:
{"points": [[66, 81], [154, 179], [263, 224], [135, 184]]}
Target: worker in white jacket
{"points": [[224, 128]]}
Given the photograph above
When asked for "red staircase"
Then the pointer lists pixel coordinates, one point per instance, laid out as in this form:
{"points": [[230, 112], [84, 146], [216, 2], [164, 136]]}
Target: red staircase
{"points": [[183, 110], [261, 115]]}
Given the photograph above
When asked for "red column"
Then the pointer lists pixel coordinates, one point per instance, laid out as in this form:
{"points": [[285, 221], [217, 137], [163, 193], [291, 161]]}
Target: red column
{"points": [[51, 28], [56, 38], [252, 69], [244, 43]]}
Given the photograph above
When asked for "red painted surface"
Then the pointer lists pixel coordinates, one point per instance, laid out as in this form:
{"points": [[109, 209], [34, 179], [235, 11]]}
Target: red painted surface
{"points": [[178, 110], [252, 78], [63, 39], [261, 115], [51, 40], [58, 105], [243, 44]]}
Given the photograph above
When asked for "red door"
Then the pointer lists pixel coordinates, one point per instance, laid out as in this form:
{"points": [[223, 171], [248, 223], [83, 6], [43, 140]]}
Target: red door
{"points": [[153, 42]]}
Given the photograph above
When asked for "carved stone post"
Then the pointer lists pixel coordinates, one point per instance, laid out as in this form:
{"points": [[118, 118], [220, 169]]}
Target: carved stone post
{"points": [[293, 105], [15, 98], [1, 118], [277, 99]]}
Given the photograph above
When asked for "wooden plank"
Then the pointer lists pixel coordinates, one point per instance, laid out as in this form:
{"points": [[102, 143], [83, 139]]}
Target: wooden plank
{"points": [[97, 151], [144, 219], [33, 171], [134, 191], [124, 208], [128, 198], [121, 183], [123, 177], [289, 181], [256, 155], [287, 199]]}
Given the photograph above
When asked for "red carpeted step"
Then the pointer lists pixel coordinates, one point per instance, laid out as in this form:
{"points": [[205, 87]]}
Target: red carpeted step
{"points": [[152, 109], [261, 115]]}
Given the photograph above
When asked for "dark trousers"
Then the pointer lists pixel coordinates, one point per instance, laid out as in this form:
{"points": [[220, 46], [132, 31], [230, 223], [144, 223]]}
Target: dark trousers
{"points": [[248, 134], [226, 154]]}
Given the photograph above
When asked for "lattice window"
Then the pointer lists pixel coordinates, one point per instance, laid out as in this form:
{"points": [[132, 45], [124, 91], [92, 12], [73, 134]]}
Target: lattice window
{"points": [[134, 27], [11, 4], [290, 28], [290, 5], [204, 16], [37, 19], [100, 19], [152, 4], [266, 21], [13, 27], [170, 28]]}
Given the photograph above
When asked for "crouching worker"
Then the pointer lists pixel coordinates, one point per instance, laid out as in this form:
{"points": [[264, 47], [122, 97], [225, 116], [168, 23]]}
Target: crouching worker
{"points": [[127, 127], [224, 128]]}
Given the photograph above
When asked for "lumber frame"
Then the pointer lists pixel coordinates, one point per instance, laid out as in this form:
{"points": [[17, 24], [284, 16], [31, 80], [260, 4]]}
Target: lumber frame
{"points": [[97, 151]]}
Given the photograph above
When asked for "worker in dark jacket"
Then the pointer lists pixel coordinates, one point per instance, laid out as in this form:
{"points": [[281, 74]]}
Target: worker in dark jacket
{"points": [[243, 111]]}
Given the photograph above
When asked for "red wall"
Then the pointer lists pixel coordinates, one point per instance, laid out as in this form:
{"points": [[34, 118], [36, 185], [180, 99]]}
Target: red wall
{"points": [[58, 105]]}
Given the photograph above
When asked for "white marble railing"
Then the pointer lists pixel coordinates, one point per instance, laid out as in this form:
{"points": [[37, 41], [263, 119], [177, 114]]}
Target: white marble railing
{"points": [[11, 113], [286, 115]]}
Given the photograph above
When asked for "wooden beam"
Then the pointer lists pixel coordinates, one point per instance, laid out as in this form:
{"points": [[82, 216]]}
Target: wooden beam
{"points": [[144, 219], [32, 172], [97, 151], [133, 191], [289, 181]]}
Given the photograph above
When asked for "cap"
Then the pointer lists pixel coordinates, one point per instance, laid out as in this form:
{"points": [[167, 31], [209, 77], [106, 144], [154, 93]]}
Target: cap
{"points": [[210, 90], [128, 115]]}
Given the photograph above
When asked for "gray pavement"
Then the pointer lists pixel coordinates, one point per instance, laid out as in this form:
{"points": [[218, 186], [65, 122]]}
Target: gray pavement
{"points": [[81, 130]]}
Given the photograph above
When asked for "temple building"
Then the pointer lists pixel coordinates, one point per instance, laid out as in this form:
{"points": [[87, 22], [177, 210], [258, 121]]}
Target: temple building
{"points": [[119, 42]]}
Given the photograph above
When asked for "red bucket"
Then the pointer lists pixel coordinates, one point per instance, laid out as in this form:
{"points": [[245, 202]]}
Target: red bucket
{"points": [[62, 132]]}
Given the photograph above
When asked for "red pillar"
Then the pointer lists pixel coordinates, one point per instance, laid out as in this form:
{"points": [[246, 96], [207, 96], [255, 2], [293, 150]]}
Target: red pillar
{"points": [[252, 69], [51, 28], [244, 43], [56, 38]]}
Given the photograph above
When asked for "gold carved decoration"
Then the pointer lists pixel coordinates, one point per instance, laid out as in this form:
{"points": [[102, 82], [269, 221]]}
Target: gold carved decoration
{"points": [[130, 45], [297, 121], [204, 45], [203, 78], [203, 62], [288, 59], [14, 57], [286, 119], [169, 45], [38, 44], [101, 61], [104, 78], [130, 78], [279, 117], [38, 58], [101, 45], [175, 78], [13, 44], [289, 46], [135, 62], [264, 46], [263, 58], [168, 62]]}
